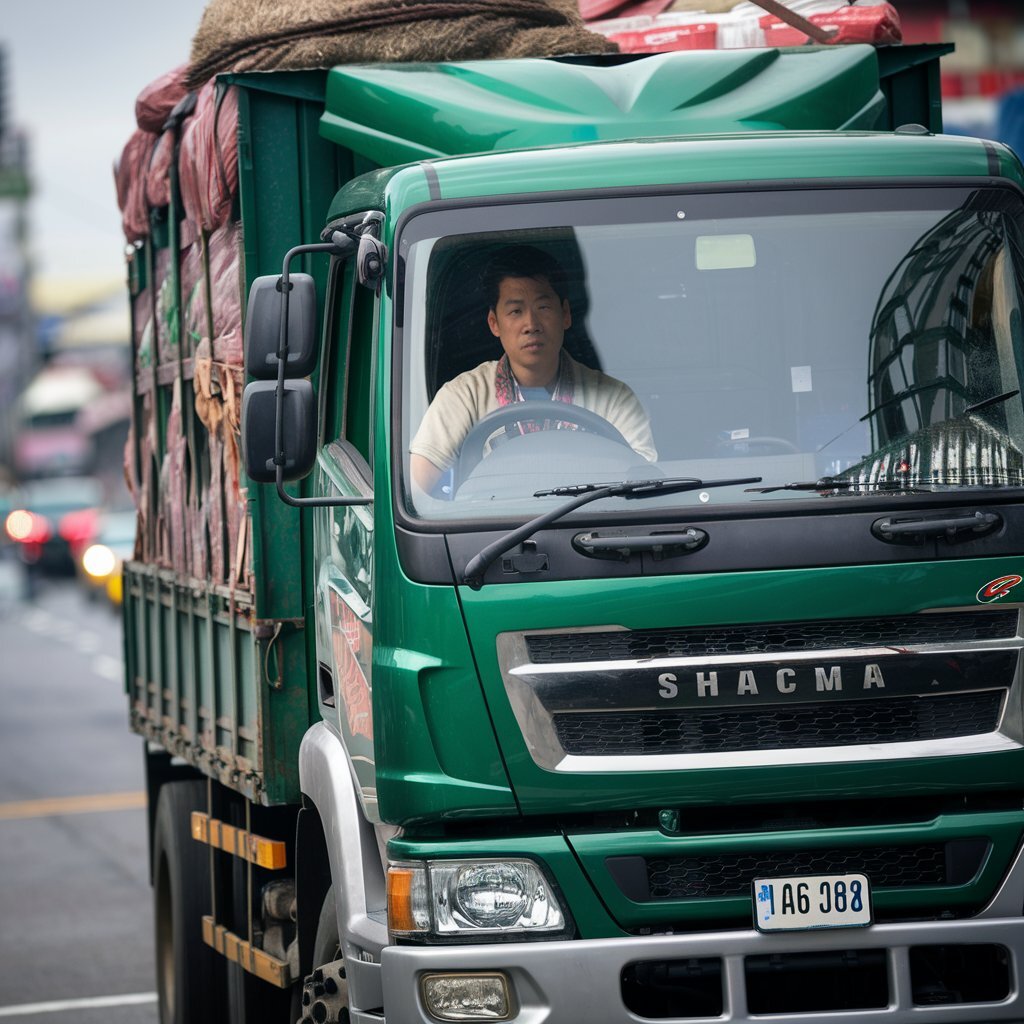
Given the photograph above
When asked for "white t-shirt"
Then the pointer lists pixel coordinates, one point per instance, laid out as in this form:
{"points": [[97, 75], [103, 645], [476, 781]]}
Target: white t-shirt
{"points": [[463, 401]]}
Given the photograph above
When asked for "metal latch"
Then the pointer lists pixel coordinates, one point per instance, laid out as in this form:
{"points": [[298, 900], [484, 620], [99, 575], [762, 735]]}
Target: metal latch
{"points": [[527, 559]]}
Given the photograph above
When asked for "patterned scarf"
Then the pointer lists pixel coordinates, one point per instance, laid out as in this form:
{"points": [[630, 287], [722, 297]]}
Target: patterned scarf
{"points": [[507, 391]]}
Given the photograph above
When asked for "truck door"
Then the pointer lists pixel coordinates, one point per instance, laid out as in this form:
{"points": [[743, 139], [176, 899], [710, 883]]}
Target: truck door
{"points": [[343, 536]]}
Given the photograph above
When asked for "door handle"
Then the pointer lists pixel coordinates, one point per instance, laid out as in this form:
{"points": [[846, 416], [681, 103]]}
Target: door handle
{"points": [[625, 545], [918, 529]]}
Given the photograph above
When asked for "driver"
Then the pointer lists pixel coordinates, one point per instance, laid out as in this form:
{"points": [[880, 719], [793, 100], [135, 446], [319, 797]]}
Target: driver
{"points": [[529, 314]]}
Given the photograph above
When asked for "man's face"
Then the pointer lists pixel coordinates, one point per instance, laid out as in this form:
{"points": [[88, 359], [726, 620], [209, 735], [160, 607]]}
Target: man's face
{"points": [[530, 321]]}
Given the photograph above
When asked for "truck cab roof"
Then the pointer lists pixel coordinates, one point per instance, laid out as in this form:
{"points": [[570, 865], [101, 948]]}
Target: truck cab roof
{"points": [[753, 157]]}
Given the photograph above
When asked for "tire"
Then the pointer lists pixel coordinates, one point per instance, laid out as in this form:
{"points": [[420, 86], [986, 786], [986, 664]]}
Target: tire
{"points": [[258, 1002], [325, 991], [188, 971]]}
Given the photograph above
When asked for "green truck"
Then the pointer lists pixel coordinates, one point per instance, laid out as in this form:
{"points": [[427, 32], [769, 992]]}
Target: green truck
{"points": [[723, 726]]}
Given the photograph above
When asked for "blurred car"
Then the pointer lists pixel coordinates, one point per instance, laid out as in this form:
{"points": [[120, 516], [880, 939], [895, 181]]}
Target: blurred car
{"points": [[53, 520], [101, 561]]}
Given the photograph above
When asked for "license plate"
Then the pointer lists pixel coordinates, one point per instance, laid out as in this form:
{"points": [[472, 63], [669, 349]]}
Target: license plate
{"points": [[811, 901]]}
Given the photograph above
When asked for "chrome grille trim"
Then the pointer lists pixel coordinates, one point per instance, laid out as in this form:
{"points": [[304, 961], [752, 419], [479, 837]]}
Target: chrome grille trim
{"points": [[957, 627], [537, 692]]}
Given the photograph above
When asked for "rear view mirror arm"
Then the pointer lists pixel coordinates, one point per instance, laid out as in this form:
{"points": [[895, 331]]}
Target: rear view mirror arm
{"points": [[341, 245]]}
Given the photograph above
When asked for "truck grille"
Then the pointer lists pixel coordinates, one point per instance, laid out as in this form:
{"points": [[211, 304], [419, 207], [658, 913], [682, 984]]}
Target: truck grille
{"points": [[895, 720], [728, 874], [675, 878], [724, 696], [947, 628]]}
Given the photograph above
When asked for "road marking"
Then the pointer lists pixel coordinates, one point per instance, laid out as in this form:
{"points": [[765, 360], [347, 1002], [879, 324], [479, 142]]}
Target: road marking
{"points": [[103, 665], [54, 806], [87, 643], [96, 1002]]}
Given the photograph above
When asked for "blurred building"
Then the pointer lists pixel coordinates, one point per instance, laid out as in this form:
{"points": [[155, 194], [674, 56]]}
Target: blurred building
{"points": [[18, 356], [74, 415], [983, 79]]}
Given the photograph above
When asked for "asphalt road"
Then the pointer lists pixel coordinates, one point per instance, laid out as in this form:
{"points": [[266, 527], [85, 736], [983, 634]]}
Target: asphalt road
{"points": [[75, 906]]}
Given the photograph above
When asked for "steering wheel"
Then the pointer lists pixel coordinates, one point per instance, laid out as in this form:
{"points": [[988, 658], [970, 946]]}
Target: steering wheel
{"points": [[517, 412], [776, 442]]}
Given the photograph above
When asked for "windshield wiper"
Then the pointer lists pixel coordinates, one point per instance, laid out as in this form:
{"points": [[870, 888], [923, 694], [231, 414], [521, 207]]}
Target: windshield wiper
{"points": [[826, 484], [583, 494], [992, 401]]}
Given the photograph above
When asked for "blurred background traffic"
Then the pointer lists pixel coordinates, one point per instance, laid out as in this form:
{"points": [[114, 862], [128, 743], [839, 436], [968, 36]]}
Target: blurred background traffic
{"points": [[69, 74], [65, 359]]}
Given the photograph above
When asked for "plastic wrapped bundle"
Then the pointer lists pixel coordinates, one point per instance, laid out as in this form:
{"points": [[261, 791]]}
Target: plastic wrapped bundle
{"points": [[210, 412], [234, 496], [593, 10], [217, 382], [158, 177], [130, 179], [208, 158], [877, 24], [224, 249], [167, 326], [156, 101], [145, 533], [142, 331], [174, 490], [195, 320]]}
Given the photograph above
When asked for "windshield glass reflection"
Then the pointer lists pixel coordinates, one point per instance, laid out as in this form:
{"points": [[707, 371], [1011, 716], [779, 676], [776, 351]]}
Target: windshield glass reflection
{"points": [[870, 338]]}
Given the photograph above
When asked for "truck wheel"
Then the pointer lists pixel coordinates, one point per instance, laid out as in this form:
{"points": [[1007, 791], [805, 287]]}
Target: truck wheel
{"points": [[325, 991], [186, 968]]}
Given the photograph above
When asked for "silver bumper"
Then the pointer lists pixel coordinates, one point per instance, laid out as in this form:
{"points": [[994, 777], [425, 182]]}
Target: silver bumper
{"points": [[578, 982]]}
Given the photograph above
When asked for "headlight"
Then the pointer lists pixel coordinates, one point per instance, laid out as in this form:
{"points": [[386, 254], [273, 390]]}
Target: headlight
{"points": [[99, 561], [459, 898]]}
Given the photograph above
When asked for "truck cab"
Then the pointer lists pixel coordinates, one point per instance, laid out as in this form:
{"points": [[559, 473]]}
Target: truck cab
{"points": [[705, 708]]}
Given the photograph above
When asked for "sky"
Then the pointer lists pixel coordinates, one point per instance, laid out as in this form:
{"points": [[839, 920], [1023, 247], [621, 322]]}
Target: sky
{"points": [[73, 72]]}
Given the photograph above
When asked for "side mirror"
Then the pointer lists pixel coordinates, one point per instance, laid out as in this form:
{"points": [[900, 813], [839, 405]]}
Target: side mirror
{"points": [[298, 423], [263, 327], [279, 423]]}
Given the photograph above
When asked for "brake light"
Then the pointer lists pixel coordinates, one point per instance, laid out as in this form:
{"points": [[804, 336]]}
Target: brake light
{"points": [[27, 528], [78, 528]]}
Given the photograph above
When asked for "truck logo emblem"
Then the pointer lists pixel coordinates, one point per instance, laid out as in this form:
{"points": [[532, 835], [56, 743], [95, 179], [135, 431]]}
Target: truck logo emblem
{"points": [[998, 588], [748, 683]]}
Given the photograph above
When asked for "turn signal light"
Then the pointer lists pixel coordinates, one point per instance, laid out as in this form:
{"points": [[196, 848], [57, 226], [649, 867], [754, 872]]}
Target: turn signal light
{"points": [[407, 900]]}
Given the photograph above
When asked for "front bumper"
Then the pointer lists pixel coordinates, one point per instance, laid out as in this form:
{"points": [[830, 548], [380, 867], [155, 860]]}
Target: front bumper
{"points": [[579, 982]]}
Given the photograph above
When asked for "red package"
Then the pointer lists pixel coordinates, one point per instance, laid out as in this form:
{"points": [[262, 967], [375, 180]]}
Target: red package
{"points": [[166, 322], [668, 37], [155, 103], [158, 177], [195, 321], [208, 159], [878, 25], [130, 179], [226, 285], [591, 10]]}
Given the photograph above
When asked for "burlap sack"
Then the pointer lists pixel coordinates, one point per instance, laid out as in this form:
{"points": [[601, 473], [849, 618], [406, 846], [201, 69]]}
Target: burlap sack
{"points": [[251, 35]]}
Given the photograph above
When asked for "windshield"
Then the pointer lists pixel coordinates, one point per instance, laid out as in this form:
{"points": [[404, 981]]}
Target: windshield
{"points": [[869, 339]]}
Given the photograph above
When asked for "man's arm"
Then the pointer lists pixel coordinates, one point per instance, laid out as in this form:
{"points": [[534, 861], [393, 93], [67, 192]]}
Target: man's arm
{"points": [[424, 473], [445, 425]]}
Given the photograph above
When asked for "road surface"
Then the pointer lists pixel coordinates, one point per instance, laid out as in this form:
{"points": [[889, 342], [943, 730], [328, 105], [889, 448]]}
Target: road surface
{"points": [[75, 907]]}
